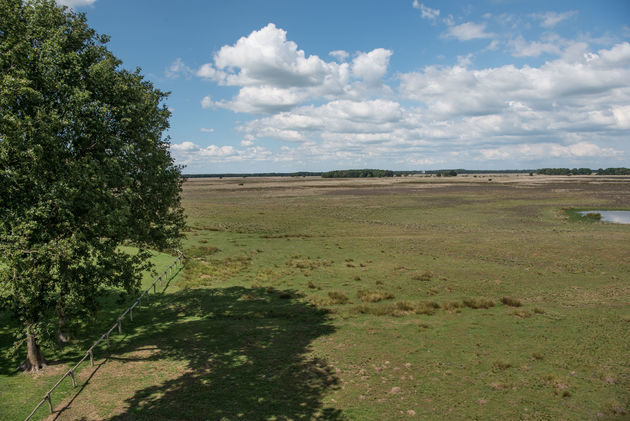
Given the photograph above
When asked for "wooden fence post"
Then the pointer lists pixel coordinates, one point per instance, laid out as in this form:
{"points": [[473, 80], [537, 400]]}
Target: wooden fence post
{"points": [[91, 357], [49, 402], [119, 326], [74, 382]]}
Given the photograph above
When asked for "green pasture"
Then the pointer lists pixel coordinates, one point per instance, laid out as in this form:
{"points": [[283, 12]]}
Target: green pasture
{"points": [[411, 298]]}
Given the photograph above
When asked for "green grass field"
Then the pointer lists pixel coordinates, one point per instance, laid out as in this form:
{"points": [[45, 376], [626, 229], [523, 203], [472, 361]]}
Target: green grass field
{"points": [[384, 299]]}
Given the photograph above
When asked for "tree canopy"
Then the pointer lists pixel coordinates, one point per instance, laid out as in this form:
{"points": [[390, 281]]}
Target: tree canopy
{"points": [[84, 169]]}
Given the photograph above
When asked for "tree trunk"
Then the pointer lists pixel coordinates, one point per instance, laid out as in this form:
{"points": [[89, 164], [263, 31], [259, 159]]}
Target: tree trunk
{"points": [[34, 360], [62, 336]]}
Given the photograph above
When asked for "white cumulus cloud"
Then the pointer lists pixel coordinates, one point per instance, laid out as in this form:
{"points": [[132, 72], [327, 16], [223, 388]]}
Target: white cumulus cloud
{"points": [[574, 108], [75, 3], [178, 68], [206, 102], [468, 31], [274, 75], [551, 19], [426, 12], [372, 66], [340, 55]]}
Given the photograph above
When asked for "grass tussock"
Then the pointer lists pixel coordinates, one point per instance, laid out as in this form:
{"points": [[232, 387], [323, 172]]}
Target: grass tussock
{"points": [[371, 296], [201, 272], [201, 251], [501, 365], [452, 305], [523, 314], [337, 297], [298, 262], [511, 301], [425, 276], [477, 303], [398, 309]]}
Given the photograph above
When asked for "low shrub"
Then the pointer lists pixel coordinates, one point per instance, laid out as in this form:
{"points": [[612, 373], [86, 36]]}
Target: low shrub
{"points": [[510, 301], [595, 216], [476, 303]]}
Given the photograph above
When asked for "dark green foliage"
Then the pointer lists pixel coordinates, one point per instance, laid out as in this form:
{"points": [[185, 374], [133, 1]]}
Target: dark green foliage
{"points": [[358, 173], [596, 216], [614, 171], [447, 173], [564, 171], [84, 168]]}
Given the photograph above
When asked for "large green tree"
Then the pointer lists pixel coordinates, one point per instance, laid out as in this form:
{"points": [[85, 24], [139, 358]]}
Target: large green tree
{"points": [[84, 169]]}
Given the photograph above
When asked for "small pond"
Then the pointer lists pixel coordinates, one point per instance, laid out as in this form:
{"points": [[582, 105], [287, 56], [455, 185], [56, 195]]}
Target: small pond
{"points": [[617, 217]]}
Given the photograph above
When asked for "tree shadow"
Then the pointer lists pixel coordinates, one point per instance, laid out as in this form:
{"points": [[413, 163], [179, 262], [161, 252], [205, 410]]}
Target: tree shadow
{"points": [[247, 353]]}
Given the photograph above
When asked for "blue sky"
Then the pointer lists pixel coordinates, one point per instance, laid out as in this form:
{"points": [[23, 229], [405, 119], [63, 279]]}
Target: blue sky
{"points": [[406, 85]]}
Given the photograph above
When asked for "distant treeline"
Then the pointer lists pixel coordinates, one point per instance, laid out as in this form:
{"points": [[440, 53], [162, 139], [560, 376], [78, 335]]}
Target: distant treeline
{"points": [[259, 174], [614, 171], [564, 171], [372, 173], [365, 173], [465, 171], [583, 171]]}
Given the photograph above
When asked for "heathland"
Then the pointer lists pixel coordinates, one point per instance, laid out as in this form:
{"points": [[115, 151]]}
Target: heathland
{"points": [[468, 297]]}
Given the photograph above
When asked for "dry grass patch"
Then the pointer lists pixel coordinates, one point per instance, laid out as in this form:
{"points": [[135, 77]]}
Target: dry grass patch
{"points": [[523, 314], [337, 297], [452, 305], [398, 309], [371, 296]]}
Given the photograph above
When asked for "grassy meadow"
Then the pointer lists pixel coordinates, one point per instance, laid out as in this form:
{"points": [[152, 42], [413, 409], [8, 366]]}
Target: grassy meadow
{"points": [[473, 297]]}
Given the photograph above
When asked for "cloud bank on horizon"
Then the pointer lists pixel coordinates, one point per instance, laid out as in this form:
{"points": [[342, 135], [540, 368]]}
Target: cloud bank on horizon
{"points": [[545, 99]]}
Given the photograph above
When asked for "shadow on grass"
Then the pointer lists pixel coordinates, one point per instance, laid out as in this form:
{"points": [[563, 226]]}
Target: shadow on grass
{"points": [[83, 333], [246, 352]]}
